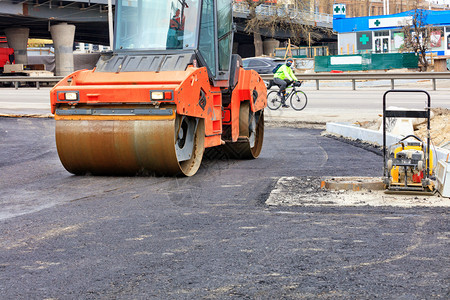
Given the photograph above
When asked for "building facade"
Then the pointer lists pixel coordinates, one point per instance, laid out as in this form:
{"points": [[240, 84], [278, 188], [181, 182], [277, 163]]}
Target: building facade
{"points": [[384, 34], [362, 8]]}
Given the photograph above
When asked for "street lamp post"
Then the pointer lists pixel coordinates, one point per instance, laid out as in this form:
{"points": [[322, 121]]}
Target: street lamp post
{"points": [[110, 24], [386, 7]]}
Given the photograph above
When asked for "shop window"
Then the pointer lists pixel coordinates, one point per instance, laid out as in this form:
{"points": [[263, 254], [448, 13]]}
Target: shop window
{"points": [[382, 33], [436, 37]]}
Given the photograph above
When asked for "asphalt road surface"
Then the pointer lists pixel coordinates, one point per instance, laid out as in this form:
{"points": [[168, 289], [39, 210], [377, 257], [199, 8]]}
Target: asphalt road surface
{"points": [[333, 104], [209, 236]]}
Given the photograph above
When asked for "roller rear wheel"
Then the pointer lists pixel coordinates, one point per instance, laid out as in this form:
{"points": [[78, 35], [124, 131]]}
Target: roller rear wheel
{"points": [[251, 133]]}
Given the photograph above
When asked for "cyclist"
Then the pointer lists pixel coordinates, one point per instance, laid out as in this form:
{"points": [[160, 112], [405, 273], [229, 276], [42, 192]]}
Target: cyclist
{"points": [[284, 77]]}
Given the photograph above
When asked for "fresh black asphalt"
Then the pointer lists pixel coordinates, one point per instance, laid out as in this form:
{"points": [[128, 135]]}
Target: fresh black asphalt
{"points": [[209, 236]]}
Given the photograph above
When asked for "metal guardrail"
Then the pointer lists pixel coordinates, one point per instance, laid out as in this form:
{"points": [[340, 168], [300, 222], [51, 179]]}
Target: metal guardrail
{"points": [[16, 80], [300, 16], [353, 77]]}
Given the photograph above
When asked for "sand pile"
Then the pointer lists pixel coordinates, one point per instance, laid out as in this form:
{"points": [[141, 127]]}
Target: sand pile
{"points": [[440, 128]]}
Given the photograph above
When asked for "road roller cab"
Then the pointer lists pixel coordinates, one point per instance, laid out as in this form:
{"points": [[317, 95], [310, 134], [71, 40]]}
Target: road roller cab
{"points": [[170, 89]]}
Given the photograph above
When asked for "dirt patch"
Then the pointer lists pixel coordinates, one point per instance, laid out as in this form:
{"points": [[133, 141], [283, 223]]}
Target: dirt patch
{"points": [[306, 191], [46, 116]]}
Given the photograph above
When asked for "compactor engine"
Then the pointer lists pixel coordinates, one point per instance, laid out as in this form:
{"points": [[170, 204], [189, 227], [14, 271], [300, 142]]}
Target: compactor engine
{"points": [[408, 166], [170, 89]]}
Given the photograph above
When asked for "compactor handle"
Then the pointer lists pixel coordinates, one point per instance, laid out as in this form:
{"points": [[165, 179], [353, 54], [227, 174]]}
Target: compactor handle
{"points": [[406, 91], [411, 136]]}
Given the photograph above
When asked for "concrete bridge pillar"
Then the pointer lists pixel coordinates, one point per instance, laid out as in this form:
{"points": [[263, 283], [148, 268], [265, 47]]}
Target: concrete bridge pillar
{"points": [[270, 45], [18, 39], [235, 47], [63, 36]]}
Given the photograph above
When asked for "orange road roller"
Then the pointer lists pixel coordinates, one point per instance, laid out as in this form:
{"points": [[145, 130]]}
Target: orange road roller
{"points": [[170, 89]]}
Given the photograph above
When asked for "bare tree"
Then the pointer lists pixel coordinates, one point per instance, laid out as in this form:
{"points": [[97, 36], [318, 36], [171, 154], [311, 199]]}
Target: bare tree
{"points": [[286, 18], [254, 25], [417, 37]]}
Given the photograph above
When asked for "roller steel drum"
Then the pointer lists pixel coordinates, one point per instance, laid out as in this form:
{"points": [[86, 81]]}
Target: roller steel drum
{"points": [[129, 145]]}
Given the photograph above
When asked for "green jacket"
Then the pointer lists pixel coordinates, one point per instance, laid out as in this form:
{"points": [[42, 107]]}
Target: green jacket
{"points": [[284, 72]]}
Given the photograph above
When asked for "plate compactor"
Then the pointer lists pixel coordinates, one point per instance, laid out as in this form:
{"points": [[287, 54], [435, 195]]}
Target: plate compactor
{"points": [[170, 89], [408, 164]]}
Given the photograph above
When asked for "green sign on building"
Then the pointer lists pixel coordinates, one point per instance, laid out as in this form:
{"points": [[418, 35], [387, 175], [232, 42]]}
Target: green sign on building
{"points": [[364, 40]]}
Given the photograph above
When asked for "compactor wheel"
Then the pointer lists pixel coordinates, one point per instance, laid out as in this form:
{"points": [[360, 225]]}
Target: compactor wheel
{"points": [[251, 133], [171, 146]]}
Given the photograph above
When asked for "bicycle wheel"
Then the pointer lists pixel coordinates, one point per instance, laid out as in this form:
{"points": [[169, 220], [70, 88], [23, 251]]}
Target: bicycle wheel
{"points": [[273, 100], [299, 100]]}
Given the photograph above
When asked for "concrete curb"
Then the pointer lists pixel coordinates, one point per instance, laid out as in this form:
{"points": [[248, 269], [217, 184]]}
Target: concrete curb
{"points": [[350, 131], [353, 183]]}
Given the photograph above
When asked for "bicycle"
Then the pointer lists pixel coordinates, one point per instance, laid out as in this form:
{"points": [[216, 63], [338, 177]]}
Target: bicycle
{"points": [[297, 98]]}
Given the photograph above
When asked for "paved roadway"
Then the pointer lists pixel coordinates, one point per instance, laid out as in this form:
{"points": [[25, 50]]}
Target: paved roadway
{"points": [[209, 236]]}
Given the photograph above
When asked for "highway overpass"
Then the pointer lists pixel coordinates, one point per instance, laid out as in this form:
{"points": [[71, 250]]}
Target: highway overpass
{"points": [[87, 21], [91, 17]]}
